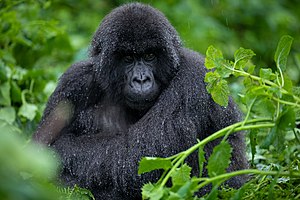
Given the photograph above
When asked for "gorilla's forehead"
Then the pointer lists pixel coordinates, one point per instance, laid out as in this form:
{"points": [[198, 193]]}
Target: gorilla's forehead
{"points": [[136, 27]]}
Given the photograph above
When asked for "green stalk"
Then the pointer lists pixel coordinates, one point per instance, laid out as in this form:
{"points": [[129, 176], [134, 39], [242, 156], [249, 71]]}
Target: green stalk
{"points": [[243, 172], [232, 128], [256, 78]]}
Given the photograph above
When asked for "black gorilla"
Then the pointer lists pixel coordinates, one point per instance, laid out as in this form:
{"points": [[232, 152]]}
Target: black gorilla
{"points": [[140, 94]]}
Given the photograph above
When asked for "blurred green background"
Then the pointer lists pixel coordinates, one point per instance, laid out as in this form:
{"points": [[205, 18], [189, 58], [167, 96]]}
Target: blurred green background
{"points": [[39, 39]]}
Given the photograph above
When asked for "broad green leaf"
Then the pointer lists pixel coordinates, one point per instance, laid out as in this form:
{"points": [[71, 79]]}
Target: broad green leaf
{"points": [[211, 78], [282, 51], [3, 71], [251, 69], [5, 94], [174, 196], [263, 107], [287, 119], [187, 190], [8, 114], [212, 56], [201, 160], [148, 164], [16, 92], [270, 138], [146, 190], [9, 128], [219, 160], [149, 191], [285, 122], [288, 84], [242, 56], [224, 68], [267, 74], [28, 110], [220, 93], [181, 175]]}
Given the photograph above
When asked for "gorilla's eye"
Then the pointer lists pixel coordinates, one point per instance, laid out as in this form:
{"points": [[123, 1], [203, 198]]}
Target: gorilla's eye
{"points": [[149, 57], [128, 59]]}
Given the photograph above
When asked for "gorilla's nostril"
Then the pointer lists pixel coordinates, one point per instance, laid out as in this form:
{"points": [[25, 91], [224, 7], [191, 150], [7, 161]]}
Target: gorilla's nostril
{"points": [[141, 80]]}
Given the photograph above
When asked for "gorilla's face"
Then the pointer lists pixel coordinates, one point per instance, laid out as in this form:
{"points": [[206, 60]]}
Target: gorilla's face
{"points": [[137, 52], [141, 89]]}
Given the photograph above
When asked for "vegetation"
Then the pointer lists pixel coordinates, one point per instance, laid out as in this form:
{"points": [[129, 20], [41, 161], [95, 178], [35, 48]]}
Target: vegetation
{"points": [[39, 40]]}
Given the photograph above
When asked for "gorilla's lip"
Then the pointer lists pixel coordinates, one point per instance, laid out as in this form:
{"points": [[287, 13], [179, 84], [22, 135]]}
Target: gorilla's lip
{"points": [[141, 102], [139, 99]]}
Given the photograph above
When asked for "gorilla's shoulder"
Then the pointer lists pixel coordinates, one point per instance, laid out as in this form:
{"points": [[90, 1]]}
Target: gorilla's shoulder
{"points": [[79, 68], [193, 62], [77, 79]]}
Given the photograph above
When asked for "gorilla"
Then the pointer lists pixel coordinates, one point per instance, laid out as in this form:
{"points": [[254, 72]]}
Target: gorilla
{"points": [[140, 93]]}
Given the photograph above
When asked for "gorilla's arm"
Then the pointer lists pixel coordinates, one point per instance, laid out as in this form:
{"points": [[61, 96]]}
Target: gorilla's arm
{"points": [[72, 91]]}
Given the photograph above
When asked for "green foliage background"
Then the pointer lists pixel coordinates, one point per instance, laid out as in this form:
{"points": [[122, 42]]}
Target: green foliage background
{"points": [[39, 39]]}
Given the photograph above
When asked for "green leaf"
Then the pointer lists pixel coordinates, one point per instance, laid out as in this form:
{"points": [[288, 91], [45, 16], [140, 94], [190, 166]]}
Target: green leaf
{"points": [[148, 164], [241, 57], [270, 138], [181, 175], [15, 92], [282, 51], [266, 74], [288, 84], [224, 68], [285, 122], [187, 190], [201, 160], [5, 94], [220, 93], [28, 110], [211, 78], [8, 114], [251, 69], [219, 160], [174, 196], [287, 119], [146, 190], [149, 191], [263, 106], [213, 55]]}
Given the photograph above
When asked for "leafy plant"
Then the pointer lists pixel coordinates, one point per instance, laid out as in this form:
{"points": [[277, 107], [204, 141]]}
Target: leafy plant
{"points": [[29, 45], [272, 108]]}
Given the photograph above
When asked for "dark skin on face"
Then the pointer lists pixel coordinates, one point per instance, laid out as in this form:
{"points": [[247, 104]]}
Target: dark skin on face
{"points": [[141, 88]]}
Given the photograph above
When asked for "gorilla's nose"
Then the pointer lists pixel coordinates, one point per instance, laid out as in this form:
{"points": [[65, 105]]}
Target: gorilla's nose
{"points": [[141, 82]]}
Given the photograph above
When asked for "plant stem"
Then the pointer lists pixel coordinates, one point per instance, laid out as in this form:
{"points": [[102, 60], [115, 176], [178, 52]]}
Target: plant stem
{"points": [[243, 172], [286, 102], [232, 128], [256, 78]]}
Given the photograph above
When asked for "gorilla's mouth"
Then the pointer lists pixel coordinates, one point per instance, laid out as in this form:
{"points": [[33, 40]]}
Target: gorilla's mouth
{"points": [[141, 101]]}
